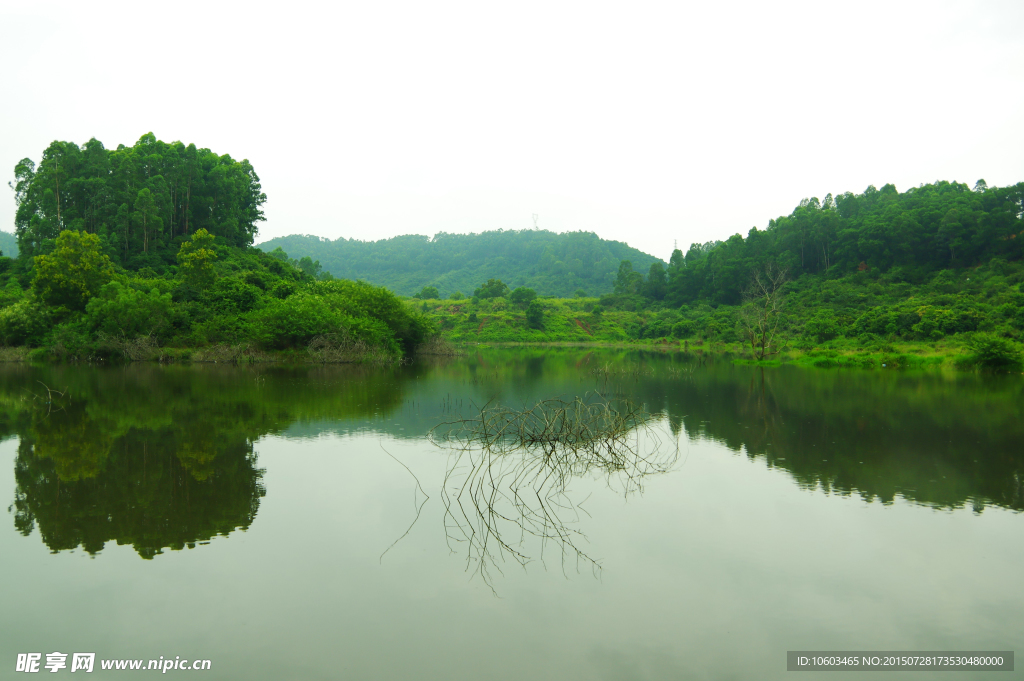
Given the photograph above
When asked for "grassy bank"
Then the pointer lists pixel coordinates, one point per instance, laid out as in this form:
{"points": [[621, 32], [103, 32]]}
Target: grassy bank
{"points": [[586, 322], [241, 354]]}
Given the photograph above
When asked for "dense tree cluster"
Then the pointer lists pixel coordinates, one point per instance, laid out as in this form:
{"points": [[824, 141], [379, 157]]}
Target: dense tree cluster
{"points": [[124, 252], [945, 225], [80, 305], [141, 201], [935, 261], [492, 288]]}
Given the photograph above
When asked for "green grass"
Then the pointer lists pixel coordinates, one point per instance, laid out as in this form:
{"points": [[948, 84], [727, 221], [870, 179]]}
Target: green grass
{"points": [[573, 321]]}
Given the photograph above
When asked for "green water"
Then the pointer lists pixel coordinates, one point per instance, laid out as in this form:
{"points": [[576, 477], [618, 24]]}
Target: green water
{"points": [[299, 524]]}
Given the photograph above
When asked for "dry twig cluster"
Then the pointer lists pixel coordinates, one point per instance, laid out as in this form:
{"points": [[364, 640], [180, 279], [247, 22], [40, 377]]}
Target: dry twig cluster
{"points": [[222, 353], [333, 348], [134, 349], [438, 345]]}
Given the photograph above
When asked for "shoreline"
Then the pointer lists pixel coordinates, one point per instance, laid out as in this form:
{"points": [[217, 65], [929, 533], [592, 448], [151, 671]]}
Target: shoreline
{"points": [[901, 356]]}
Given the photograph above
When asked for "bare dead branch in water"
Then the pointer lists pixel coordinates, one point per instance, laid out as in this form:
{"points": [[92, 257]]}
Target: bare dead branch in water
{"points": [[510, 473], [49, 400]]}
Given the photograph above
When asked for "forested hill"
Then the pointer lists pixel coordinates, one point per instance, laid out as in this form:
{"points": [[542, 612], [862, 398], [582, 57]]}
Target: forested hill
{"points": [[8, 244], [906, 237], [551, 264]]}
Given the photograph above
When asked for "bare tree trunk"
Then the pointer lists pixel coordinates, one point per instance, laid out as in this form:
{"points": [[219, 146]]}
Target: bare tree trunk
{"points": [[188, 196], [762, 310], [57, 179]]}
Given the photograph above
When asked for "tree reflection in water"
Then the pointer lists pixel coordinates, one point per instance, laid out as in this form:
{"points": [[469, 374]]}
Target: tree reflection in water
{"points": [[84, 481], [509, 478], [163, 457], [160, 458]]}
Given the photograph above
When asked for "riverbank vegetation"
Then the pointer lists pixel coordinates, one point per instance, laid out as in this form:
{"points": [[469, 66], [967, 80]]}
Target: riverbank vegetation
{"points": [[145, 252], [929, 276], [182, 438]]}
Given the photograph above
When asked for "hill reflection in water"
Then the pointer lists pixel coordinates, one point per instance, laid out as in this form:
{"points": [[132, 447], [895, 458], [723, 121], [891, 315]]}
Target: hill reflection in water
{"points": [[164, 457]]}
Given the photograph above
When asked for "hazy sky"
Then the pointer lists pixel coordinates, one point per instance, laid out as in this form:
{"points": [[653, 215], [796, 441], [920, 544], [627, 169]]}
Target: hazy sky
{"points": [[643, 122]]}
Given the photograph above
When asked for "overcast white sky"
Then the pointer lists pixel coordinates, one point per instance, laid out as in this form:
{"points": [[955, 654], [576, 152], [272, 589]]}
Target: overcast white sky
{"points": [[643, 122]]}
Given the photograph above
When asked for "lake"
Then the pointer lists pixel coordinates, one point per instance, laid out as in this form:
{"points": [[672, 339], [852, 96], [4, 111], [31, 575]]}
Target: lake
{"points": [[302, 523]]}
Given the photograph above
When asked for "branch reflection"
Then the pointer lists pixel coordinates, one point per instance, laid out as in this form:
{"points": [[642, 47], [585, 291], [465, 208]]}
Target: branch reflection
{"points": [[509, 479]]}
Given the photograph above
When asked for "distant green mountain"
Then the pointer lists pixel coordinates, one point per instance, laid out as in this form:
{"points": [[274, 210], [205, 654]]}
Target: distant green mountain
{"points": [[8, 244], [551, 264]]}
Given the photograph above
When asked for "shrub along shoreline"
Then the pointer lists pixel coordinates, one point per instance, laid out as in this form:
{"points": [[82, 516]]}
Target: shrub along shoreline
{"points": [[902, 356], [965, 320], [145, 253], [241, 305], [219, 303]]}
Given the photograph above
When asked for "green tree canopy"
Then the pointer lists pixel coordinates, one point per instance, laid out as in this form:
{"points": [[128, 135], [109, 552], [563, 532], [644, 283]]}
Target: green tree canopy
{"points": [[494, 288], [627, 281], [657, 282], [535, 315], [310, 267], [916, 233], [119, 310], [195, 258], [74, 272], [140, 200], [522, 296], [428, 293]]}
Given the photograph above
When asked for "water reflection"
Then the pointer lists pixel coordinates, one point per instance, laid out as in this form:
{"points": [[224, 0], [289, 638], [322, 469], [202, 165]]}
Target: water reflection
{"points": [[943, 440], [510, 477], [164, 457], [152, 490], [159, 458]]}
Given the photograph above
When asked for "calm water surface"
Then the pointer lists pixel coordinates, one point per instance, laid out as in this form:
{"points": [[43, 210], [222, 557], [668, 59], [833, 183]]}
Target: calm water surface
{"points": [[299, 524]]}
